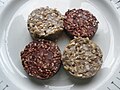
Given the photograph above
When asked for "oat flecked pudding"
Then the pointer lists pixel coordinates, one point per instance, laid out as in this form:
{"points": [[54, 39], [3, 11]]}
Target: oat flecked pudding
{"points": [[45, 23], [41, 59], [79, 22], [82, 58]]}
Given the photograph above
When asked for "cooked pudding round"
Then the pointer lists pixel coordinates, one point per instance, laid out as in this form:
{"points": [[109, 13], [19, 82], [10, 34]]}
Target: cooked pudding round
{"points": [[79, 22], [82, 58], [41, 59], [45, 23]]}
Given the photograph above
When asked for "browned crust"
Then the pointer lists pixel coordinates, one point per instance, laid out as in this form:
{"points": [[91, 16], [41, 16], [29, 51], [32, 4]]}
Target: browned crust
{"points": [[79, 22], [41, 59]]}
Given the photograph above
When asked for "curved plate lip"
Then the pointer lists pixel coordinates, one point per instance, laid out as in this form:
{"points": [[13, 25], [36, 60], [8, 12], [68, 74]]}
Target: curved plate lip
{"points": [[114, 8], [4, 3], [108, 2]]}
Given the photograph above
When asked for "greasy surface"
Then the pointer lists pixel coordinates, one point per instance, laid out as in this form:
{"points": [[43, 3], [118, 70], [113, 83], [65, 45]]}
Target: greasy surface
{"points": [[80, 22], [41, 59], [45, 22], [82, 58]]}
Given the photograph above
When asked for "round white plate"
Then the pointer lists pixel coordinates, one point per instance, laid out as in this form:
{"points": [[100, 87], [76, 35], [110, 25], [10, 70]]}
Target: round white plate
{"points": [[14, 36]]}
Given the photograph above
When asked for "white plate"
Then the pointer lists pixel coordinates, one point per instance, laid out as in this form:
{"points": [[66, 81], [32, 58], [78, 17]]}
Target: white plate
{"points": [[14, 36]]}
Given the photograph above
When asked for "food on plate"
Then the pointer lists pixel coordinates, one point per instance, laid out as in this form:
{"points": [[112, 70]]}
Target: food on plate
{"points": [[82, 58], [41, 59], [45, 23], [79, 22]]}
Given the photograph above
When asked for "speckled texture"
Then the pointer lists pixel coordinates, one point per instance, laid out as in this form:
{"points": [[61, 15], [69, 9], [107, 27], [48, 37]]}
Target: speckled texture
{"points": [[45, 23], [41, 59], [82, 58], [79, 22]]}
